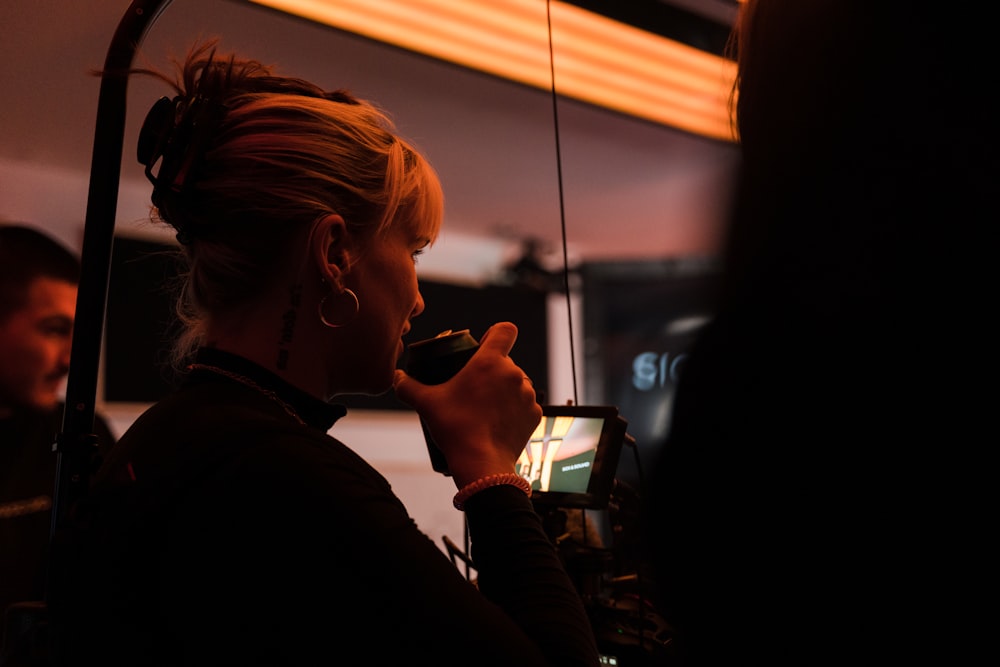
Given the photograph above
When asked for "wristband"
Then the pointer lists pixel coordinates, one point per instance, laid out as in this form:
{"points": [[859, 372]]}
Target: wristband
{"points": [[472, 488]]}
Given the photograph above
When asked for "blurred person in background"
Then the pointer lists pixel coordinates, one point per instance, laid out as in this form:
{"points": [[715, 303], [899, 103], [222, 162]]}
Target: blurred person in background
{"points": [[821, 497], [38, 287]]}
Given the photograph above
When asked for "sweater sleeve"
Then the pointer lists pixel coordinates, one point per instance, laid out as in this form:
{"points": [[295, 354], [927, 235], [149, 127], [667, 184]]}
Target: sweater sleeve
{"points": [[520, 571]]}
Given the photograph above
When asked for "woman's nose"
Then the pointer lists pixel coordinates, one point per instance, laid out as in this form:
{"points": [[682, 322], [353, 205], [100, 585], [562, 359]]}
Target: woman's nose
{"points": [[418, 307]]}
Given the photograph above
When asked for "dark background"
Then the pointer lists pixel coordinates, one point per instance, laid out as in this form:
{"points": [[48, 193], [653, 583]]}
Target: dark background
{"points": [[141, 324], [629, 309], [642, 308]]}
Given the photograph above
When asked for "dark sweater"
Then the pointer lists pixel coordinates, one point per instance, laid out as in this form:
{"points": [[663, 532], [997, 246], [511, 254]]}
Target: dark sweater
{"points": [[27, 490], [223, 531]]}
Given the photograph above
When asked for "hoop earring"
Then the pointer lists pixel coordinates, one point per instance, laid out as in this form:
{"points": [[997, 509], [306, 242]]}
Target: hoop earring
{"points": [[337, 325]]}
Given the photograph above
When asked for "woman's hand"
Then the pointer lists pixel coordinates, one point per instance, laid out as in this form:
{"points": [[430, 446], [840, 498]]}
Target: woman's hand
{"points": [[481, 418]]}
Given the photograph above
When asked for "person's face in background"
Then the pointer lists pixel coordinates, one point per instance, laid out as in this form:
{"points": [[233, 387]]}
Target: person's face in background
{"points": [[35, 346]]}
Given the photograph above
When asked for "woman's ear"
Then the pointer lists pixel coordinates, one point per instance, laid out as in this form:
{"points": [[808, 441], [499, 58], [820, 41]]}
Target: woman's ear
{"points": [[328, 248]]}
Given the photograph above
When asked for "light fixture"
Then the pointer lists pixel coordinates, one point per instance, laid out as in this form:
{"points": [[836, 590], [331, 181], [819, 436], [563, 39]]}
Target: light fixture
{"points": [[595, 59]]}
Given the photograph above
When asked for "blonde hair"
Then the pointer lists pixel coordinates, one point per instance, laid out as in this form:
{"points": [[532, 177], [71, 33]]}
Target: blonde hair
{"points": [[275, 155]]}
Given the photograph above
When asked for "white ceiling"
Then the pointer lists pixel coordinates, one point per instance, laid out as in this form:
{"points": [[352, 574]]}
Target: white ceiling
{"points": [[629, 189]]}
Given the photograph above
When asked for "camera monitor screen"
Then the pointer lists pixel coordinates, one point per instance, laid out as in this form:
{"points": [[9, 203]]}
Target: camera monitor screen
{"points": [[572, 457]]}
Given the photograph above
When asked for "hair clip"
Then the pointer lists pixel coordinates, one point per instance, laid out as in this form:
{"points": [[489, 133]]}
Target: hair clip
{"points": [[175, 134], [155, 134]]}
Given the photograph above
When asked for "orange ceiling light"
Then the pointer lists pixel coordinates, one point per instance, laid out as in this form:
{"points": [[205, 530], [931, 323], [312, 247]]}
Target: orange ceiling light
{"points": [[595, 59]]}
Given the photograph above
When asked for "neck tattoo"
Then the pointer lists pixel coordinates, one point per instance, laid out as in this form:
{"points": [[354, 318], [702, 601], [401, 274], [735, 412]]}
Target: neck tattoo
{"points": [[253, 385]]}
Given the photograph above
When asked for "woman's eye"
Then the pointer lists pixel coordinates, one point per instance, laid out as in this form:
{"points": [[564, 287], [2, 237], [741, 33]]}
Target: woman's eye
{"points": [[417, 253]]}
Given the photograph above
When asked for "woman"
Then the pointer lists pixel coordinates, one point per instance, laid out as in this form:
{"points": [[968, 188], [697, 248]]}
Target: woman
{"points": [[228, 527]]}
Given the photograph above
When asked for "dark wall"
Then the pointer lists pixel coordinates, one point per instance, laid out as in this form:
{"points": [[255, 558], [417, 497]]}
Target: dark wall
{"points": [[640, 319], [140, 321], [141, 324]]}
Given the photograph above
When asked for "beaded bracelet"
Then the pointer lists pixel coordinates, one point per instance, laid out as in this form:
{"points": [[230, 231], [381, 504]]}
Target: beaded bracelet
{"points": [[472, 488]]}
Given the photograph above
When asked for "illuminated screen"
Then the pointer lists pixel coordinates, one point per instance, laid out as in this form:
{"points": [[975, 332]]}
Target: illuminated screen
{"points": [[571, 458], [560, 455]]}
